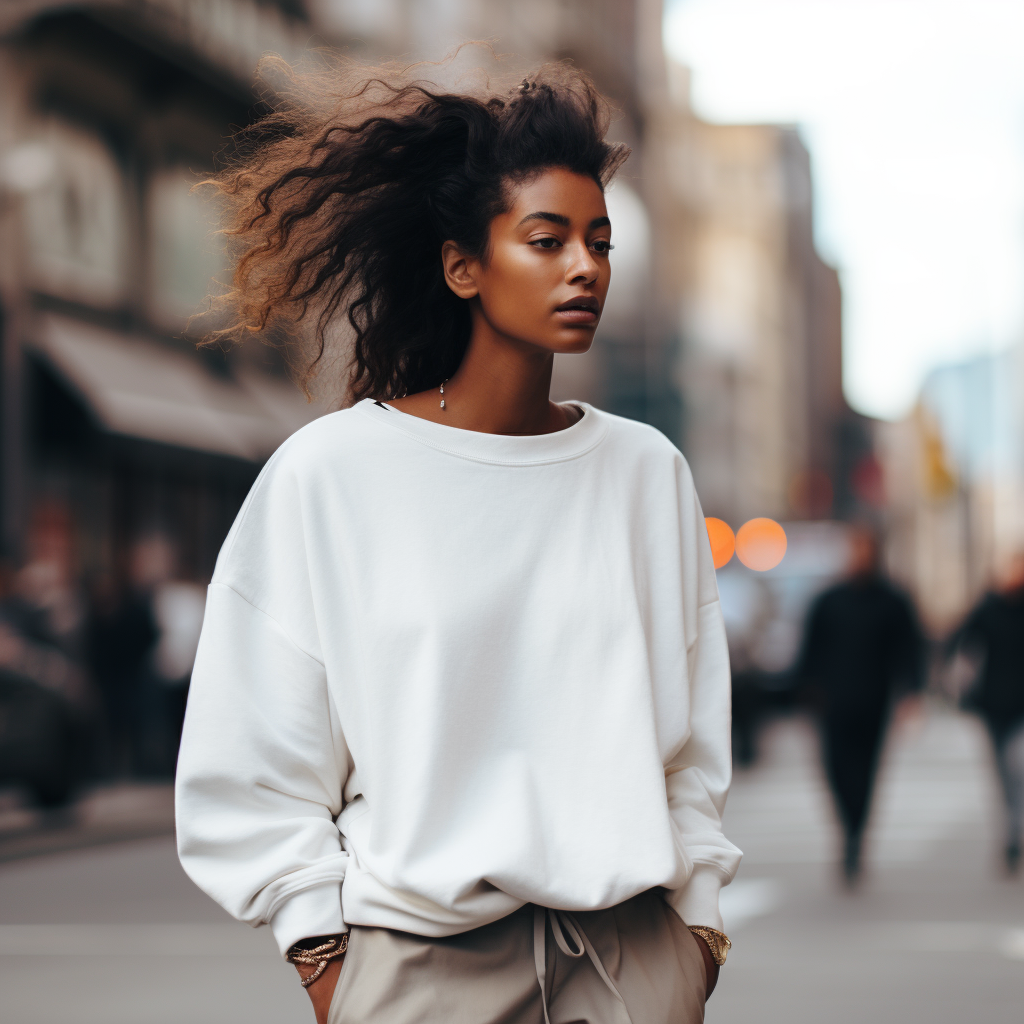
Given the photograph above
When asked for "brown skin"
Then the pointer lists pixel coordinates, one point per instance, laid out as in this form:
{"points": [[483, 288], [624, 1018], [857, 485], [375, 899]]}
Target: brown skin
{"points": [[534, 266], [1011, 579], [864, 554], [322, 990]]}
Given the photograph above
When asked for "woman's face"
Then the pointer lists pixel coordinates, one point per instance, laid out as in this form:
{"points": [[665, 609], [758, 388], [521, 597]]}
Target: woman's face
{"points": [[547, 272]]}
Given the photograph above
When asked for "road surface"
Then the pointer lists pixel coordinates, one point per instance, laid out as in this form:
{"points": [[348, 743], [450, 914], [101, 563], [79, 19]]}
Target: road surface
{"points": [[118, 935], [935, 934]]}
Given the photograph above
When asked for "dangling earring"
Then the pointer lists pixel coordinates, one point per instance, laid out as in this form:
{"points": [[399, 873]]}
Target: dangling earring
{"points": [[445, 381]]}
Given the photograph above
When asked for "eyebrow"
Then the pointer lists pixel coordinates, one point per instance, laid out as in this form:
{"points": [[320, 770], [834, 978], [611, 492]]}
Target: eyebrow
{"points": [[561, 219]]}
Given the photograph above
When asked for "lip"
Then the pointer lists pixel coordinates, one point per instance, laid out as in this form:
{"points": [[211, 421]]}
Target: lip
{"points": [[583, 310]]}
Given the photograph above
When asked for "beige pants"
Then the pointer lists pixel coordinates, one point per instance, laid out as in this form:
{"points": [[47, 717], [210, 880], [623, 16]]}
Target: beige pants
{"points": [[636, 963]]}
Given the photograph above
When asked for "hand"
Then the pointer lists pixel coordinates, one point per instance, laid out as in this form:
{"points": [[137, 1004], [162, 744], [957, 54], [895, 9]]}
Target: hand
{"points": [[711, 969], [321, 992]]}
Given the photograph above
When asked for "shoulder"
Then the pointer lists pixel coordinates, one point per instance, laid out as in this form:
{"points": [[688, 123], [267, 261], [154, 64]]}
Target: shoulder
{"points": [[331, 449], [632, 433], [989, 609], [339, 435], [836, 594], [897, 595], [304, 466], [639, 443]]}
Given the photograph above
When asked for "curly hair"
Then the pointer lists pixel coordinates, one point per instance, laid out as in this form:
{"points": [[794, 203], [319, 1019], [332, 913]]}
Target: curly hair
{"points": [[340, 199]]}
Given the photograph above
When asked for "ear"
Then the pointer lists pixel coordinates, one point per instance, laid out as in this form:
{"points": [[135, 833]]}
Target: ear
{"points": [[459, 271]]}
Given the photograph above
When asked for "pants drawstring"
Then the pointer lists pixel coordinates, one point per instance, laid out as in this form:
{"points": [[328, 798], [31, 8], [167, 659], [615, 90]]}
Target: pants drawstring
{"points": [[565, 929]]}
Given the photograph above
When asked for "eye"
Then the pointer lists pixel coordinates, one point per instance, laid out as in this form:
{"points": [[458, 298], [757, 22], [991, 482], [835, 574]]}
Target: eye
{"points": [[546, 243], [602, 246]]}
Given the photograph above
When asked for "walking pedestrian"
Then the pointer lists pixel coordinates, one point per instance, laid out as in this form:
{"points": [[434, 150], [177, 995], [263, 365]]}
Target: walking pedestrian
{"points": [[121, 635], [178, 607], [862, 650], [458, 728], [994, 634]]}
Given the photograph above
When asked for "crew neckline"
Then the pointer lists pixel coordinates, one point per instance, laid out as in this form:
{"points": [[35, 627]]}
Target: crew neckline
{"points": [[501, 449]]}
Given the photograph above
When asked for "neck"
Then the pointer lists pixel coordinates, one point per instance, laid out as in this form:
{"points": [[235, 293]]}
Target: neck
{"points": [[501, 387]]}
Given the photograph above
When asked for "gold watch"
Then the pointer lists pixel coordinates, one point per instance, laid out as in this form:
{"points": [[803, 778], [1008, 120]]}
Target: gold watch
{"points": [[718, 942]]}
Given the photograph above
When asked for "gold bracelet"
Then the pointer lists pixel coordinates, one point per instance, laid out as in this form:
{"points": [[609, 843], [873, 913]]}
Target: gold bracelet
{"points": [[318, 957], [718, 942]]}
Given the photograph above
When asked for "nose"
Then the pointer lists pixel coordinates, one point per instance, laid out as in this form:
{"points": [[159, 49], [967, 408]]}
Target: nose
{"points": [[581, 267]]}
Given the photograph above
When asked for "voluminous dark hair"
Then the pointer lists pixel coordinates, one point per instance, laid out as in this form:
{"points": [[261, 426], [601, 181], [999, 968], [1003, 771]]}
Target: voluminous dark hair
{"points": [[340, 199]]}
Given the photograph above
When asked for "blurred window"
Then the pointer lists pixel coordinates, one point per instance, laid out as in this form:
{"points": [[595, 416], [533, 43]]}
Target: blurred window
{"points": [[187, 257], [76, 221], [726, 315]]}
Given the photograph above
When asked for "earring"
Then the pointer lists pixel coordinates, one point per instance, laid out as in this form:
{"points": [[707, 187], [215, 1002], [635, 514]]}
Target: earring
{"points": [[445, 381]]}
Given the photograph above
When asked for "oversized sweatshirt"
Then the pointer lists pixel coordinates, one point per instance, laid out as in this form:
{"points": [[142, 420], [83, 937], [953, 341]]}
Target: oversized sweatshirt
{"points": [[445, 673]]}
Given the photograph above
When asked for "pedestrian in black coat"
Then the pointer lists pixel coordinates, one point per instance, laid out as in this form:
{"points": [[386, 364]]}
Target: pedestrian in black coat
{"points": [[862, 650], [120, 637], [994, 633]]}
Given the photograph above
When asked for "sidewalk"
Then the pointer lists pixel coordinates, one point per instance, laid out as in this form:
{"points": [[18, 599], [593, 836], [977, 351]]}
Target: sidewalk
{"points": [[935, 934], [106, 814]]}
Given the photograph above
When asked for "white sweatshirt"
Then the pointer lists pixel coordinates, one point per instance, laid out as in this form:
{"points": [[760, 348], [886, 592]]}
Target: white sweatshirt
{"points": [[445, 673]]}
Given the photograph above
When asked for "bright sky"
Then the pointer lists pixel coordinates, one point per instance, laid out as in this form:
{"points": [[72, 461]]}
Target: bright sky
{"points": [[913, 111]]}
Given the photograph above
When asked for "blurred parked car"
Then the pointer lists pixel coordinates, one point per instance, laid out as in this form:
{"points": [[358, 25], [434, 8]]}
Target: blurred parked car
{"points": [[43, 742], [47, 721]]}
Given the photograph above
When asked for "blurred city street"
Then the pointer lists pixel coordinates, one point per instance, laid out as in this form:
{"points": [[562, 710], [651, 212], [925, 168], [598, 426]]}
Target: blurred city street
{"points": [[816, 298], [934, 933], [118, 934], [114, 812]]}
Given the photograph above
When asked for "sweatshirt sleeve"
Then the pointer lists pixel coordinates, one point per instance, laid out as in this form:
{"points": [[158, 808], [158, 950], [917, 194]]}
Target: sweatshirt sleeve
{"points": [[263, 761], [698, 777]]}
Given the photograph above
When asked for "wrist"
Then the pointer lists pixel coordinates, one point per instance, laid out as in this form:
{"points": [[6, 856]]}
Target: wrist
{"points": [[312, 956], [718, 943]]}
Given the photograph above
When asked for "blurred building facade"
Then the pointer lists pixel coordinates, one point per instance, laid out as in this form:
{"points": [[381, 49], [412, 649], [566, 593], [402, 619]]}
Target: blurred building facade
{"points": [[109, 113], [954, 475], [722, 327], [766, 426]]}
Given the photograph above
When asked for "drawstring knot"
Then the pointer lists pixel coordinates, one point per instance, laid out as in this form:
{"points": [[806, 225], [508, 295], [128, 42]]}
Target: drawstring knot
{"points": [[566, 929]]}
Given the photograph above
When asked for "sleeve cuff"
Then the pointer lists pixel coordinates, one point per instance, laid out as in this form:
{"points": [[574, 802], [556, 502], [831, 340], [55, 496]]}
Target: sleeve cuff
{"points": [[697, 901], [314, 911]]}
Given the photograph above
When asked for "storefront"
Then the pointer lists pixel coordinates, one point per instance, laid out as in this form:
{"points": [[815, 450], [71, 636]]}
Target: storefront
{"points": [[109, 115]]}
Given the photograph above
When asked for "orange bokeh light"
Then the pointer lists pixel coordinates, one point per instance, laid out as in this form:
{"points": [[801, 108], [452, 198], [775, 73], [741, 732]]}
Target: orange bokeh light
{"points": [[723, 540], [760, 544]]}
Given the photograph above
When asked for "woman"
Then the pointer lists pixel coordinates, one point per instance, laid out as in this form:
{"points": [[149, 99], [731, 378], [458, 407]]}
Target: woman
{"points": [[458, 728]]}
